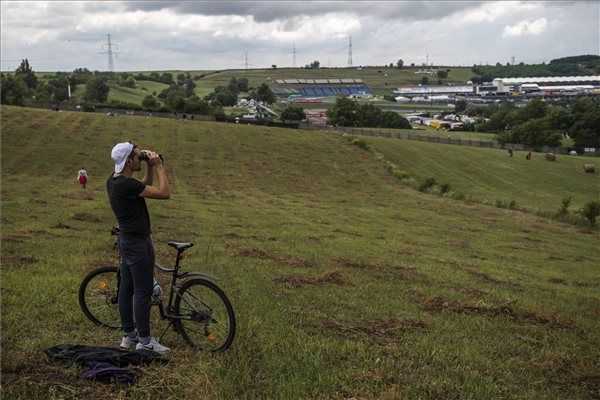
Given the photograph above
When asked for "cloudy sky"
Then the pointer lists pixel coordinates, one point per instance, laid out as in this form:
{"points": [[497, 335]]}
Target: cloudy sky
{"points": [[193, 35]]}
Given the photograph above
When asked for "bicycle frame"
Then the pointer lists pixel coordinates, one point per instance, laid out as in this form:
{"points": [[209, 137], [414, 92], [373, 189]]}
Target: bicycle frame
{"points": [[175, 275], [174, 288]]}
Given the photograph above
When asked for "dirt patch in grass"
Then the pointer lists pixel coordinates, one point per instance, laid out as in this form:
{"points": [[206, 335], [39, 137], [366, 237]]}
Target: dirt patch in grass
{"points": [[355, 234], [291, 261], [60, 225], [20, 260], [381, 270], [296, 281], [558, 281], [86, 217], [439, 304], [83, 195], [378, 329], [482, 276], [585, 284], [567, 372], [469, 291], [14, 238]]}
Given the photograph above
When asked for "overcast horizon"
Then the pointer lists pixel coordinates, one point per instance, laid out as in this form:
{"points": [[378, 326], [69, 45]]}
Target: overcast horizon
{"points": [[194, 35]]}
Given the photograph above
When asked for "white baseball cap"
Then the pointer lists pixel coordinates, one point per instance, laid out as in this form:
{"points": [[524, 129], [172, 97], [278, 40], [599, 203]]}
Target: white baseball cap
{"points": [[120, 153]]}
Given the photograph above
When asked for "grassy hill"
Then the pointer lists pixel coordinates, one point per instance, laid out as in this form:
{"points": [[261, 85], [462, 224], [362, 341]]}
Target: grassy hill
{"points": [[490, 174], [345, 283], [381, 80]]}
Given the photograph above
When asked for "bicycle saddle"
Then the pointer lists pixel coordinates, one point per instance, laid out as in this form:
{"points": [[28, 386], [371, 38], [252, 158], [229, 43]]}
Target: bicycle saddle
{"points": [[180, 246]]}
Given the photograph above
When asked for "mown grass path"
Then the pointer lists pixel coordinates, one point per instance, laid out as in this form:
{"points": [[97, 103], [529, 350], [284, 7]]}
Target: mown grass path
{"points": [[345, 283]]}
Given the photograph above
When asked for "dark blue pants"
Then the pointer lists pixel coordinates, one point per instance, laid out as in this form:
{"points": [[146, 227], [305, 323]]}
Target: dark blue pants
{"points": [[137, 280]]}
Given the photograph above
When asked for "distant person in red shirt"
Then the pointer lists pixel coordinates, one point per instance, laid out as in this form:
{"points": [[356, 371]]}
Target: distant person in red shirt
{"points": [[82, 177]]}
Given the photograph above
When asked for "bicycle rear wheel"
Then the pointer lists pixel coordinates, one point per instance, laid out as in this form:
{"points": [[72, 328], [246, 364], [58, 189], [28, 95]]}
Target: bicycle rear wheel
{"points": [[98, 297], [205, 316]]}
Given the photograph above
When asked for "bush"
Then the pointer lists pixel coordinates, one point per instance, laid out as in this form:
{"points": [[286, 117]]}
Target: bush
{"points": [[591, 211], [444, 188], [457, 195], [426, 185], [511, 205], [150, 102], [293, 113], [564, 206], [360, 143]]}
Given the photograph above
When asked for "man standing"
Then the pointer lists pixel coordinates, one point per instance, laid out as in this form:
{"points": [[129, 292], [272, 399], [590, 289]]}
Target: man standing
{"points": [[127, 199]]}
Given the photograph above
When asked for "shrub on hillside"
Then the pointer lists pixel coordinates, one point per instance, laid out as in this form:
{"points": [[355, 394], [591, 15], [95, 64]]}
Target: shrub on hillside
{"points": [[564, 206], [591, 211], [444, 188], [360, 143], [511, 205], [426, 185], [293, 113]]}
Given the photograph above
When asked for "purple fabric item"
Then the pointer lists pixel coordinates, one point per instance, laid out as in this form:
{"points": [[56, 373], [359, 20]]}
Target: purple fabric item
{"points": [[107, 373]]}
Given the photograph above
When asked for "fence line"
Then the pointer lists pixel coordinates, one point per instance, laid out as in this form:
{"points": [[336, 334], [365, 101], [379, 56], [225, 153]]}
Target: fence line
{"points": [[440, 139]]}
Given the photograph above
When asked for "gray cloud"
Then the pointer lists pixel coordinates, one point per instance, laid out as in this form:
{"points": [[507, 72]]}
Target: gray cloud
{"points": [[265, 11], [66, 35]]}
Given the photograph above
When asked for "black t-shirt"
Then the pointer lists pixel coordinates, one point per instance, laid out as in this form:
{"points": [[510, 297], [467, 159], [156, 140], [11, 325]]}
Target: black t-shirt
{"points": [[127, 204]]}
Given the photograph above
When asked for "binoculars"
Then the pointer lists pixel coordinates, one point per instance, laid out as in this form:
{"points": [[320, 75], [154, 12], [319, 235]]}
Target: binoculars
{"points": [[144, 156]]}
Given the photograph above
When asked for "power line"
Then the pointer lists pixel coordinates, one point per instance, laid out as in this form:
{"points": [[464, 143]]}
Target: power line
{"points": [[110, 52], [294, 55], [350, 50]]}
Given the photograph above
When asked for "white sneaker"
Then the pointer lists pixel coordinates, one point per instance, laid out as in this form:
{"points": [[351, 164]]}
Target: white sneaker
{"points": [[128, 343], [153, 346]]}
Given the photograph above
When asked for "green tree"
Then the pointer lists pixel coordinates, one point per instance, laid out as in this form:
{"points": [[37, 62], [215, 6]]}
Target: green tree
{"points": [[242, 84], [26, 73], [150, 102], [536, 132], [343, 113], [369, 115], [188, 87], [79, 76], [222, 96], [390, 119], [96, 90], [264, 94], [165, 77], [59, 88], [424, 80], [399, 63], [585, 131], [293, 113], [442, 74], [13, 90], [233, 86], [197, 106]]}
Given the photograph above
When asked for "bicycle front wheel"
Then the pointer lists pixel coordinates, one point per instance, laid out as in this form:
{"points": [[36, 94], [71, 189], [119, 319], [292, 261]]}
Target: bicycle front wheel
{"points": [[205, 316], [99, 297]]}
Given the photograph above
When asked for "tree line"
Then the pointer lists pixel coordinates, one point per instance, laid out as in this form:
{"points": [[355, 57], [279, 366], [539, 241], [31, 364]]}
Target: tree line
{"points": [[347, 112], [541, 124]]}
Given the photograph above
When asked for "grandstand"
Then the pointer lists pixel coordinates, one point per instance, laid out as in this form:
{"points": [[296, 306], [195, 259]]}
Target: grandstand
{"points": [[320, 87]]}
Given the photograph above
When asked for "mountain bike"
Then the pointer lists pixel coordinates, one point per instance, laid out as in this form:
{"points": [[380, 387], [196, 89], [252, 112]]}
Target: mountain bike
{"points": [[196, 308]]}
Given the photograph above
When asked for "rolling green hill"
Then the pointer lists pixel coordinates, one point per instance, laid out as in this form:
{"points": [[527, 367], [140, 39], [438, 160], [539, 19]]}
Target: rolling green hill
{"points": [[490, 174], [345, 283], [381, 80]]}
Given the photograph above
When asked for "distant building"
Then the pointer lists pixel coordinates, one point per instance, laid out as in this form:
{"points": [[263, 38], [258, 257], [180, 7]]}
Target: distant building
{"points": [[439, 90], [506, 85]]}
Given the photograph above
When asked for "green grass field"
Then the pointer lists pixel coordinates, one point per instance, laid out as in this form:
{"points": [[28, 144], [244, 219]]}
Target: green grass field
{"points": [[490, 174], [346, 284]]}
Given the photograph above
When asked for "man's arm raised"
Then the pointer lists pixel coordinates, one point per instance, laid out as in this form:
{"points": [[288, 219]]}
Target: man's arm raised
{"points": [[162, 191]]}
